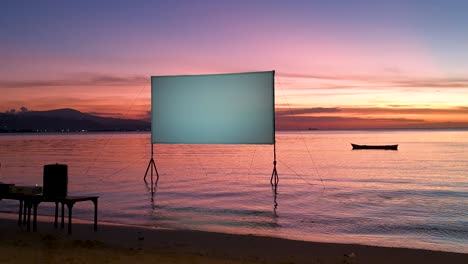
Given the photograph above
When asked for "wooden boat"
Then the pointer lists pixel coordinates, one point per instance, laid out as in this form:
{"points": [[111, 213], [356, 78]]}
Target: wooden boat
{"points": [[388, 147]]}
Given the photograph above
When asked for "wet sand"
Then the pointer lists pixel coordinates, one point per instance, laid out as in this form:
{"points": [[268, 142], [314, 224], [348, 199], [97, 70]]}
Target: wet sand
{"points": [[126, 244]]}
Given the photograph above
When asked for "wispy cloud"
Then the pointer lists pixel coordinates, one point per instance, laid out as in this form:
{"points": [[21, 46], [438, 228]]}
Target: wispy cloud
{"points": [[342, 122], [340, 81], [407, 110], [403, 110], [330, 81], [111, 114], [301, 111], [339, 122], [83, 79]]}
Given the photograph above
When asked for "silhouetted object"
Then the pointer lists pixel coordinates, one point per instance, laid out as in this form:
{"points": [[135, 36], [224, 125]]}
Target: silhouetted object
{"points": [[274, 176], [55, 180], [200, 109], [152, 167], [275, 203], [5, 189], [70, 201], [387, 147], [274, 180], [152, 190]]}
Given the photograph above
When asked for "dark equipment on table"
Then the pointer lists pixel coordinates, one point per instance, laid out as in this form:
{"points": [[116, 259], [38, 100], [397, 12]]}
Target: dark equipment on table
{"points": [[55, 180]]}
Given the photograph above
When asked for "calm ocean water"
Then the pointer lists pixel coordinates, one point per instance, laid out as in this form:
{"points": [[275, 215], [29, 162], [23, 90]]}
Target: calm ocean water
{"points": [[414, 197]]}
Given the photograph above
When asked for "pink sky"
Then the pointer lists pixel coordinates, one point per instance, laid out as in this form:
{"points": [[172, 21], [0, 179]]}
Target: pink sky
{"points": [[382, 66]]}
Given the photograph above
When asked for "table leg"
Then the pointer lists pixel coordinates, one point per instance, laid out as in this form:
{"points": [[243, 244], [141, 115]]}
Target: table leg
{"points": [[20, 213], [35, 217], [70, 209], [62, 225], [24, 212], [56, 215], [95, 201], [28, 228]]}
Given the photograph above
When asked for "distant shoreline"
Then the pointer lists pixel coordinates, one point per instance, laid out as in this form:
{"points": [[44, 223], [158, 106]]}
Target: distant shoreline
{"points": [[73, 121], [278, 131], [71, 131]]}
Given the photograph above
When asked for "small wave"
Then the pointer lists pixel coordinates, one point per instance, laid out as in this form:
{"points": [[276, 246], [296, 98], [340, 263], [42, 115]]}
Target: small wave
{"points": [[214, 211], [427, 230]]}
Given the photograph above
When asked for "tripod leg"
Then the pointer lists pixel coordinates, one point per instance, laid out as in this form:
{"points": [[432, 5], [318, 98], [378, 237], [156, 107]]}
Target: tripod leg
{"points": [[146, 173], [152, 169], [151, 164], [157, 174], [274, 177], [275, 195]]}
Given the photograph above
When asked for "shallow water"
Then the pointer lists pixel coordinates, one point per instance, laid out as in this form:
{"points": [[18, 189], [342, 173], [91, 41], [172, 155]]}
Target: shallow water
{"points": [[414, 197]]}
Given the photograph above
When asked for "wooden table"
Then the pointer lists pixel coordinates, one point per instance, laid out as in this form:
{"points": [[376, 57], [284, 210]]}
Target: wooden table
{"points": [[70, 201], [28, 202]]}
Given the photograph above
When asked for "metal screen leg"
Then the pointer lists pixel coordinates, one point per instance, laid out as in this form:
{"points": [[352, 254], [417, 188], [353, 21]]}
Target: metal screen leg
{"points": [[274, 176]]}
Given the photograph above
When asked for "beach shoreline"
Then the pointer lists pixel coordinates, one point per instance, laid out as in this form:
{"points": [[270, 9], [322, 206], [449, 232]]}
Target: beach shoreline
{"points": [[115, 243]]}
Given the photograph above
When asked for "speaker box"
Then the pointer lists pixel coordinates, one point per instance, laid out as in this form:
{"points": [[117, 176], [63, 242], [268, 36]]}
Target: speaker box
{"points": [[5, 188], [55, 180]]}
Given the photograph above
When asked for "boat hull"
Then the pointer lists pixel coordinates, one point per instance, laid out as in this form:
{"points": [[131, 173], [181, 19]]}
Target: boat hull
{"points": [[387, 147]]}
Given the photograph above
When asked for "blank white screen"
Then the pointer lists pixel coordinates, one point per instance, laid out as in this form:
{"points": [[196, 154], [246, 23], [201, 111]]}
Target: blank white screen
{"points": [[236, 108]]}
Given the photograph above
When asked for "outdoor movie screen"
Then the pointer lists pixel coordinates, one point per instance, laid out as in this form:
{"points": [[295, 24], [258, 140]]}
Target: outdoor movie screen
{"points": [[233, 108]]}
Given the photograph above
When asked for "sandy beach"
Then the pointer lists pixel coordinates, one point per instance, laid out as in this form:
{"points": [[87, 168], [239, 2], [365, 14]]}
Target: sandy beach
{"points": [[125, 244]]}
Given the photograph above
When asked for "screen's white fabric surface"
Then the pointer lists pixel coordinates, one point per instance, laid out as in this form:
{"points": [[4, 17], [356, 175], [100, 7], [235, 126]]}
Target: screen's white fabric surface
{"points": [[236, 108]]}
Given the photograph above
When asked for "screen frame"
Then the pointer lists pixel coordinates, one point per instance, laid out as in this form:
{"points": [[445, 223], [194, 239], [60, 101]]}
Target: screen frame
{"points": [[273, 139]]}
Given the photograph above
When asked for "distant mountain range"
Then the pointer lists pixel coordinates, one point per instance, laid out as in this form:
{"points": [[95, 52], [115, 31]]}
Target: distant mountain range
{"points": [[65, 120]]}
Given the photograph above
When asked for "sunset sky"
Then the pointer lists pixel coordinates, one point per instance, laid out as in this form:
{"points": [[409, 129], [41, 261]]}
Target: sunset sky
{"points": [[339, 64]]}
